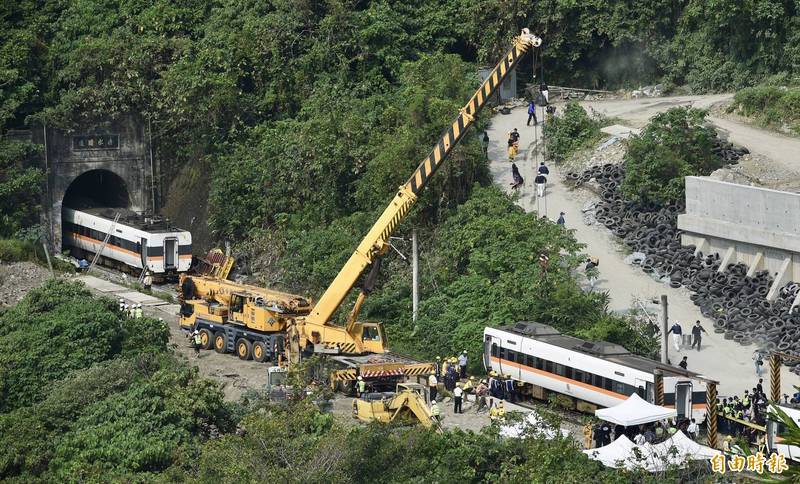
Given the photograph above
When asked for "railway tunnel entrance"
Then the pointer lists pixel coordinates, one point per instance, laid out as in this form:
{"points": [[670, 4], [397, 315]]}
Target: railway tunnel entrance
{"points": [[95, 189]]}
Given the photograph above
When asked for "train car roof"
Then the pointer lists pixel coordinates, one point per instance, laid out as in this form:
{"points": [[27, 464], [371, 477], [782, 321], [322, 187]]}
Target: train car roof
{"points": [[599, 349], [132, 219]]}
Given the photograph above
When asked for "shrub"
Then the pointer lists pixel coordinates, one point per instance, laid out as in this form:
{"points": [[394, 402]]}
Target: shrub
{"points": [[566, 134], [675, 144]]}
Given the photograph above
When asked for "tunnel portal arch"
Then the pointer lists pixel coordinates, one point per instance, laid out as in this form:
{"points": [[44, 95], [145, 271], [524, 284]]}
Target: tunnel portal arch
{"points": [[97, 188]]}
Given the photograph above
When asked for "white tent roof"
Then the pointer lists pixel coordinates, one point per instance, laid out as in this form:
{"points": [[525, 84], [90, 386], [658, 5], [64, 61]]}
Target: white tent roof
{"points": [[614, 454], [532, 424], [675, 451], [635, 411]]}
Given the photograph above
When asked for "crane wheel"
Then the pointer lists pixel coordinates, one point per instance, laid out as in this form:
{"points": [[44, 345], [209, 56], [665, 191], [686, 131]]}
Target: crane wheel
{"points": [[244, 349], [220, 342], [206, 339], [260, 351]]}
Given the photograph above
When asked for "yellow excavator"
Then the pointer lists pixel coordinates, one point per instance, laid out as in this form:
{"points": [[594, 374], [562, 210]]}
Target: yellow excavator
{"points": [[407, 403], [290, 326]]}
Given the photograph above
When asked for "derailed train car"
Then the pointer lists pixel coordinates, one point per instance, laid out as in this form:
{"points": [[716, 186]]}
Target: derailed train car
{"points": [[599, 374], [135, 242]]}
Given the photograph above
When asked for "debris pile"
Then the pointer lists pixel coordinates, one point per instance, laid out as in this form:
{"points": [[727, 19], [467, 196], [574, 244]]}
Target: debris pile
{"points": [[17, 278]]}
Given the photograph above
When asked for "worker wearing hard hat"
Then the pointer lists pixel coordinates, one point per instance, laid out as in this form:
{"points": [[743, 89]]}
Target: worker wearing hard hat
{"points": [[435, 411], [198, 342], [462, 363], [468, 387], [137, 311], [362, 386], [433, 386]]}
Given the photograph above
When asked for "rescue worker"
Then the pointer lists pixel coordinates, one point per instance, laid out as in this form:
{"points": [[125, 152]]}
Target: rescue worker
{"points": [[433, 385], [543, 170], [148, 281], [498, 412], [121, 305], [587, 435], [495, 387], [462, 363], [126, 311], [458, 393], [197, 343], [480, 396], [726, 444], [509, 389], [468, 387], [514, 135], [137, 313], [362, 386], [435, 412]]}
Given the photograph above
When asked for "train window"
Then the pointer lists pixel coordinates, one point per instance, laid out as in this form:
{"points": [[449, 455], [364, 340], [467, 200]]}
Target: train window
{"points": [[620, 388], [502, 353], [529, 360], [598, 381], [539, 363], [587, 378], [548, 366], [568, 371], [494, 350], [511, 355], [578, 375]]}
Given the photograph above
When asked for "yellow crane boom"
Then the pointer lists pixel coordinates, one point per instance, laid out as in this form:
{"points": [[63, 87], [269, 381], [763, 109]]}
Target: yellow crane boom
{"points": [[376, 241]]}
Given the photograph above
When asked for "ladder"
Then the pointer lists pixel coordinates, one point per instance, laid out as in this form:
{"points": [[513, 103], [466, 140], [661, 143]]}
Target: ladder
{"points": [[105, 242]]}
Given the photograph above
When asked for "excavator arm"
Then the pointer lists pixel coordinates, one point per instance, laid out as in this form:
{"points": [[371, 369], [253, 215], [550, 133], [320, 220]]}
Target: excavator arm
{"points": [[376, 241]]}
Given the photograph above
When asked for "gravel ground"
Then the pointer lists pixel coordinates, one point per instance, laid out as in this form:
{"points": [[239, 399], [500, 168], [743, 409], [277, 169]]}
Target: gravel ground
{"points": [[17, 278]]}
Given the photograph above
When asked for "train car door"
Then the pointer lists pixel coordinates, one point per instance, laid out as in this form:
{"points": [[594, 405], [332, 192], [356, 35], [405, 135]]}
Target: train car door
{"points": [[683, 399], [487, 352], [143, 252], [170, 253]]}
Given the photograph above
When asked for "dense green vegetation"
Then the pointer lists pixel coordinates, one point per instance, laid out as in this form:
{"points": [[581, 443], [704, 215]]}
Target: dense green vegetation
{"points": [[570, 131], [91, 396], [773, 106], [675, 144]]}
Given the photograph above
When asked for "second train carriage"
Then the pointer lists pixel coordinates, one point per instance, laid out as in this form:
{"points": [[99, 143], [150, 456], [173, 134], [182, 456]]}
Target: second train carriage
{"points": [[135, 242], [602, 374]]}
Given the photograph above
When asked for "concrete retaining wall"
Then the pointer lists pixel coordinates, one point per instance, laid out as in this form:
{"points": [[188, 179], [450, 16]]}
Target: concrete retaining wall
{"points": [[756, 226]]}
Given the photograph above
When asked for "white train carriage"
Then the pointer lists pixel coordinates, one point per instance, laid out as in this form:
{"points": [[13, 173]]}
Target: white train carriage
{"points": [[135, 243], [600, 373]]}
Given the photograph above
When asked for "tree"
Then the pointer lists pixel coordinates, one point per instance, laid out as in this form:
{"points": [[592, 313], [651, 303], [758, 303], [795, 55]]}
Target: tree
{"points": [[675, 144]]}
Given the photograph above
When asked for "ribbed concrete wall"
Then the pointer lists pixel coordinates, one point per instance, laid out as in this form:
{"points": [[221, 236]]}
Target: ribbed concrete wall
{"points": [[750, 224]]}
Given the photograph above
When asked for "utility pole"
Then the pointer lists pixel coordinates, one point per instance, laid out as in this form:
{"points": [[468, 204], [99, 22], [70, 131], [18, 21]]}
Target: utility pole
{"points": [[664, 320], [414, 275]]}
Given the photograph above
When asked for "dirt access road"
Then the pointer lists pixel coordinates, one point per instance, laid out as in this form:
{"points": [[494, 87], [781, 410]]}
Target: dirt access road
{"points": [[720, 359], [779, 149]]}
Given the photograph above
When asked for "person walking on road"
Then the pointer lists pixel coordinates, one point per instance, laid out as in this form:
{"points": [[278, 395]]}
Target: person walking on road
{"points": [[532, 113], [696, 334], [433, 385], [543, 170], [518, 180], [462, 363], [677, 335], [458, 394], [561, 220], [541, 183], [758, 361], [591, 270], [684, 363]]}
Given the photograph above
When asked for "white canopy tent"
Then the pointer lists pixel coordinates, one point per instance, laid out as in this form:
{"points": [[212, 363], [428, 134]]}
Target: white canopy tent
{"points": [[531, 425], [678, 450], [635, 411]]}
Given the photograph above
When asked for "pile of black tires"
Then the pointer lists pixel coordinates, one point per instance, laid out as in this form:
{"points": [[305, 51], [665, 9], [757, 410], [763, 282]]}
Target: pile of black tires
{"points": [[735, 302]]}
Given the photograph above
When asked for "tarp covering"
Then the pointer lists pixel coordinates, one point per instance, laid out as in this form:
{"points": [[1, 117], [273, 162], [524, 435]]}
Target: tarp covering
{"points": [[635, 411], [531, 425], [675, 451]]}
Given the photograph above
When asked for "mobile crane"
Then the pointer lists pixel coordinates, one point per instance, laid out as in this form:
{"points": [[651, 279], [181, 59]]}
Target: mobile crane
{"points": [[360, 346]]}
